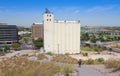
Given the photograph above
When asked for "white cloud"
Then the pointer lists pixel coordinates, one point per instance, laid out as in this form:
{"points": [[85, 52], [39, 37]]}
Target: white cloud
{"points": [[101, 8]]}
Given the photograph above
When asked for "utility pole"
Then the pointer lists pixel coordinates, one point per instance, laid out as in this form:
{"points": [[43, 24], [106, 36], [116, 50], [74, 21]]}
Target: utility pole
{"points": [[58, 49]]}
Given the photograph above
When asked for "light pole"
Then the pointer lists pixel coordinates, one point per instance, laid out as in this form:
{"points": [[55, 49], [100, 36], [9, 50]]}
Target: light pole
{"points": [[58, 49]]}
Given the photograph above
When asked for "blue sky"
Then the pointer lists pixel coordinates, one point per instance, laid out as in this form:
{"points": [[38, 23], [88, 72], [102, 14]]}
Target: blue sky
{"points": [[89, 12]]}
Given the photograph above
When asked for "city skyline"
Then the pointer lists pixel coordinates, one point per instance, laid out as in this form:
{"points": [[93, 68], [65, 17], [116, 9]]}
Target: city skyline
{"points": [[89, 12]]}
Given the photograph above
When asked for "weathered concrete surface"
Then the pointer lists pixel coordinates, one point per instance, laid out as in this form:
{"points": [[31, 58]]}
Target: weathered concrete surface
{"points": [[87, 70]]}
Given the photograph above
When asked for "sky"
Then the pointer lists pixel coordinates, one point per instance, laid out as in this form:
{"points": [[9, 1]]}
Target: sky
{"points": [[89, 12]]}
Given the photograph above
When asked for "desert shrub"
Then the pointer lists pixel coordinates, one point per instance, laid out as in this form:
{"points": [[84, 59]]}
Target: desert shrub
{"points": [[92, 61], [104, 48], [85, 54], [25, 55], [116, 46], [41, 56], [2, 54], [67, 54], [66, 69], [21, 66], [48, 69], [89, 61], [115, 64], [65, 59], [100, 60], [49, 53]]}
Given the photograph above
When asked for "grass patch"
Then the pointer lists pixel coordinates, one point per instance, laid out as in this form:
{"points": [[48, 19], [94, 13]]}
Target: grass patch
{"points": [[65, 59], [92, 61], [115, 64], [86, 49], [116, 46], [93, 48]]}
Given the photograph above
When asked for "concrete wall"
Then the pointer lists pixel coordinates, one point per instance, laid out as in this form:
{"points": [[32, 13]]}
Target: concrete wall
{"points": [[48, 20]]}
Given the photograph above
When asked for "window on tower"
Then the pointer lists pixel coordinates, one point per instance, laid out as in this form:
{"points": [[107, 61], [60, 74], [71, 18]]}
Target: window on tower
{"points": [[47, 19]]}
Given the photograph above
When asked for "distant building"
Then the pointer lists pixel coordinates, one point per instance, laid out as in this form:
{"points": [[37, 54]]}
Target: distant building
{"points": [[37, 30], [3, 24], [23, 32], [8, 34], [61, 36]]}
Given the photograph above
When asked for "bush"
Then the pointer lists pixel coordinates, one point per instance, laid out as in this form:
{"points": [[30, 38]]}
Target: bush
{"points": [[85, 54], [89, 61], [100, 60], [67, 54], [15, 45], [49, 53], [26, 55], [96, 61], [66, 69]]}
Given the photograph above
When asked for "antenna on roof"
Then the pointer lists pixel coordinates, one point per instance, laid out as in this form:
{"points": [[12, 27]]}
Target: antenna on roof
{"points": [[47, 11]]}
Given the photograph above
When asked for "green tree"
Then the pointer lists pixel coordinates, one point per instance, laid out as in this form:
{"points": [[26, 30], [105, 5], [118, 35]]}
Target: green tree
{"points": [[6, 48], [25, 39], [85, 37], [38, 43]]}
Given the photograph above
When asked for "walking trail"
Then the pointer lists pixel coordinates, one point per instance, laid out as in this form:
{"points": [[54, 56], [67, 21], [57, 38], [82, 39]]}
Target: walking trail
{"points": [[85, 70], [88, 70]]}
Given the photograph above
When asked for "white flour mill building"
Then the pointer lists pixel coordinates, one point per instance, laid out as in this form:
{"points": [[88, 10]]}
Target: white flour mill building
{"points": [[61, 36]]}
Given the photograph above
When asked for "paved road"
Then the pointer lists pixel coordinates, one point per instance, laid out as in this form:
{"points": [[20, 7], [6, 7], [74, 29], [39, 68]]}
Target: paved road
{"points": [[87, 70]]}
